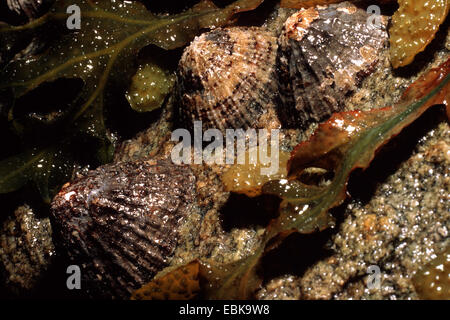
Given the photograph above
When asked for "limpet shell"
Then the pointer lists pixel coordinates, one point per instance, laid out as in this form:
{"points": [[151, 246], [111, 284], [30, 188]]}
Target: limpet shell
{"points": [[226, 78], [414, 26], [120, 223], [324, 53]]}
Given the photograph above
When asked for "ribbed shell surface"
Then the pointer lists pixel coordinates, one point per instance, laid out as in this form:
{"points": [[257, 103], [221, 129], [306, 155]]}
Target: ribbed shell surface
{"points": [[120, 223], [323, 55], [226, 77]]}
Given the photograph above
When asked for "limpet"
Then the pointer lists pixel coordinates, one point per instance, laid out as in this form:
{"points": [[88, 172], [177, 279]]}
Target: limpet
{"points": [[120, 223], [324, 53], [229, 77], [226, 78]]}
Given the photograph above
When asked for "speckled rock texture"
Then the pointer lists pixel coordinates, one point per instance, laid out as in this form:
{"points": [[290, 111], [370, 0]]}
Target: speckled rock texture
{"points": [[26, 249], [404, 226]]}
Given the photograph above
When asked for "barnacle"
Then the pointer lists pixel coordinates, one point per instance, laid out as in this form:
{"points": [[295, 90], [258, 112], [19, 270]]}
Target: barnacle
{"points": [[414, 26]]}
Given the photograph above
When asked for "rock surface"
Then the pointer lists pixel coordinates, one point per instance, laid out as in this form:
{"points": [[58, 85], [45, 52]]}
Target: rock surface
{"points": [[26, 248]]}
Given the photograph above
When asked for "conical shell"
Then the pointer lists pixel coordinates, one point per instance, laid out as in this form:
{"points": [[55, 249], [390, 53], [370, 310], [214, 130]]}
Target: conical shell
{"points": [[324, 53], [226, 78], [120, 223]]}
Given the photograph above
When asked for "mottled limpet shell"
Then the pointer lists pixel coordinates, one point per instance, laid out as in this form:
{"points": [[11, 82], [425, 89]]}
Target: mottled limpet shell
{"points": [[120, 223], [324, 53], [226, 78]]}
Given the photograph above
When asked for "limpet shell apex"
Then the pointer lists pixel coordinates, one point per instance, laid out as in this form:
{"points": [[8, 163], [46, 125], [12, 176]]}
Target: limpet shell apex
{"points": [[226, 78]]}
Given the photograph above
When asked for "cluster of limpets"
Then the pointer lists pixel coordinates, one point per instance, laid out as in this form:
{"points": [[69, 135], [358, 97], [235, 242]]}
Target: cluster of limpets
{"points": [[230, 77]]}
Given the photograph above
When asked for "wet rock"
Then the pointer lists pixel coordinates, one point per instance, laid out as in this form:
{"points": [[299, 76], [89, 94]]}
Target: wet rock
{"points": [[26, 249]]}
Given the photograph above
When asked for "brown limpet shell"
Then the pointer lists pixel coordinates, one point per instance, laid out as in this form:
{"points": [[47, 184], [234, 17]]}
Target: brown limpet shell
{"points": [[226, 78], [120, 223], [323, 54]]}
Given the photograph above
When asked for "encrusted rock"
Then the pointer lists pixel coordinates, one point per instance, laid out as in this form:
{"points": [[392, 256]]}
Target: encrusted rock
{"points": [[26, 248]]}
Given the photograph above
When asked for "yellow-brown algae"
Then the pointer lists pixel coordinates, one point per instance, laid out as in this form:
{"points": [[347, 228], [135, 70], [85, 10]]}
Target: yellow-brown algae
{"points": [[414, 26]]}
